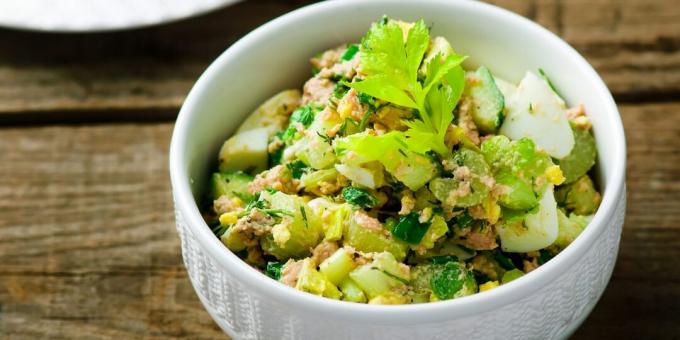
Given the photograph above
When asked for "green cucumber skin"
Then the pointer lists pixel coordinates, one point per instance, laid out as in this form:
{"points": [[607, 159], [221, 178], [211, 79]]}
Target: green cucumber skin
{"points": [[226, 183], [582, 156], [488, 102]]}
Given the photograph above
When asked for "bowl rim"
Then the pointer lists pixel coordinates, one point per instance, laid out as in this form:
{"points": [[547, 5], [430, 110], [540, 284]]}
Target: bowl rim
{"points": [[394, 314]]}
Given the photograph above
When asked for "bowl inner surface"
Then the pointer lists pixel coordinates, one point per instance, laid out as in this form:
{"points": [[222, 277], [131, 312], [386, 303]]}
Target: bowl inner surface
{"points": [[275, 57]]}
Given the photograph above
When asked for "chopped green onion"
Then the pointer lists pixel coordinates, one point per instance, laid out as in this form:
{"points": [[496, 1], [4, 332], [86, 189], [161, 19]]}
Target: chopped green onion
{"points": [[350, 52]]}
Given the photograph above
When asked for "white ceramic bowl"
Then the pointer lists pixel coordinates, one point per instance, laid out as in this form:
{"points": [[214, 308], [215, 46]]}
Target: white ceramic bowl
{"points": [[550, 302]]}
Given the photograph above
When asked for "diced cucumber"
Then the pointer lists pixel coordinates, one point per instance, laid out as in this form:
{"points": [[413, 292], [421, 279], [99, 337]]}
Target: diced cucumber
{"points": [[414, 170], [569, 228], [273, 114], [446, 248], [311, 281], [580, 196], [450, 280], [445, 188], [367, 240], [234, 241], [386, 262], [302, 229], [537, 113], [519, 194], [246, 151], [351, 291], [581, 158], [337, 266], [332, 216], [370, 175], [316, 152], [373, 281], [507, 89], [312, 180], [538, 231], [233, 184], [487, 100], [511, 275], [437, 230]]}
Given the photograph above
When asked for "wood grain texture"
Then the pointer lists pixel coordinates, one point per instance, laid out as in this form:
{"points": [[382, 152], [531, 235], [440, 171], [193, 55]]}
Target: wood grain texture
{"points": [[634, 45], [87, 241], [88, 246]]}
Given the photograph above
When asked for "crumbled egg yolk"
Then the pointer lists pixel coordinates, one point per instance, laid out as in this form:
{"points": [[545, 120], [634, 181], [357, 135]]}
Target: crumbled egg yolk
{"points": [[228, 218], [554, 175], [488, 286]]}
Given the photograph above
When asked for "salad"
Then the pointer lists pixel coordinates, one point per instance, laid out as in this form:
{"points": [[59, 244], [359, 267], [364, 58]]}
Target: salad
{"points": [[397, 176]]}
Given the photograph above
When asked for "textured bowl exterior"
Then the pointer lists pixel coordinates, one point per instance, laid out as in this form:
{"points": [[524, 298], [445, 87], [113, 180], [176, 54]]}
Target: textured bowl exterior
{"points": [[553, 312], [548, 303]]}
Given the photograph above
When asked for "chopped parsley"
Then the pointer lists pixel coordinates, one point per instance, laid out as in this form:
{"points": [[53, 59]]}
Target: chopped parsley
{"points": [[409, 229], [359, 197], [297, 168]]}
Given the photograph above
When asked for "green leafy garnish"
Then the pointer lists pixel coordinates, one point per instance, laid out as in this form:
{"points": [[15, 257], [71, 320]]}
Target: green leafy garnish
{"points": [[273, 270], [303, 115], [391, 66], [409, 229], [359, 197], [297, 168], [339, 90]]}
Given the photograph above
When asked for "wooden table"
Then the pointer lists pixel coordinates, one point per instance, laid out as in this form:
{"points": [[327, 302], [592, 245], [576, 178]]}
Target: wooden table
{"points": [[87, 239]]}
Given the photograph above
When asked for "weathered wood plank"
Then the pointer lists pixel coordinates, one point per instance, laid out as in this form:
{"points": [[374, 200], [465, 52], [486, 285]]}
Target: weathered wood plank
{"points": [[87, 241], [634, 44]]}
